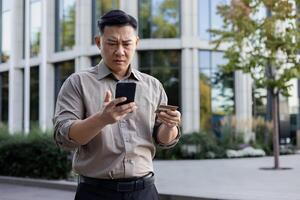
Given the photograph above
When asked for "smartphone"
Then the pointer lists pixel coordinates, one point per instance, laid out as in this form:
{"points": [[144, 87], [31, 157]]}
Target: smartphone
{"points": [[125, 89]]}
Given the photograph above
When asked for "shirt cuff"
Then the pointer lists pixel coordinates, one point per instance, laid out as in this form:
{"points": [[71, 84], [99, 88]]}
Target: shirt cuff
{"points": [[62, 136], [169, 145]]}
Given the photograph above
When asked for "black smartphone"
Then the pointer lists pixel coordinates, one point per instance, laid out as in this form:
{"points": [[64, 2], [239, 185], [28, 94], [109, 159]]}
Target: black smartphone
{"points": [[125, 89]]}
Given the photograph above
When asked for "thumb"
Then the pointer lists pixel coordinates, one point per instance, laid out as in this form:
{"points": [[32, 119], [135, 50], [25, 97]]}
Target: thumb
{"points": [[107, 96]]}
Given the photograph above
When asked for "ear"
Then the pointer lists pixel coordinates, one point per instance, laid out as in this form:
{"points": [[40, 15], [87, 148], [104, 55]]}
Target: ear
{"points": [[137, 40], [98, 41]]}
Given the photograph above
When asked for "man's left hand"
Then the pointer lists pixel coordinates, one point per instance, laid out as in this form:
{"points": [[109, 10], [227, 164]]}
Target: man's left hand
{"points": [[170, 118]]}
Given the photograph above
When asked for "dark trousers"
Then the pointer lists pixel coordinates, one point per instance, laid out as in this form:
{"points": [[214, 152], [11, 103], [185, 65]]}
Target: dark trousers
{"points": [[91, 192]]}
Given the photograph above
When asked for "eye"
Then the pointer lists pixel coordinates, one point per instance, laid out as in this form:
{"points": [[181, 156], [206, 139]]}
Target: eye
{"points": [[126, 44]]}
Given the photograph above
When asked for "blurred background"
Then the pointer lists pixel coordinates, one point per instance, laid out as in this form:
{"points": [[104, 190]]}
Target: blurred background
{"points": [[42, 42]]}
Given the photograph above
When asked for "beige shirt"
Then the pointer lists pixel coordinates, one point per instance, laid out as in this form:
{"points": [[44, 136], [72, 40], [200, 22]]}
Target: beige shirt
{"points": [[123, 149]]}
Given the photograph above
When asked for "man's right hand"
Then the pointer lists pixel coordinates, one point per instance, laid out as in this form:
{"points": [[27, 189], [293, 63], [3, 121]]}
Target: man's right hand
{"points": [[111, 113]]}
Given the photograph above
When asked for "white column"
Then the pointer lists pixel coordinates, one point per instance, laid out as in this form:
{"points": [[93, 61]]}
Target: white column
{"points": [[83, 36], [27, 69], [15, 105], [243, 104], [46, 72], [189, 69], [190, 91], [130, 7]]}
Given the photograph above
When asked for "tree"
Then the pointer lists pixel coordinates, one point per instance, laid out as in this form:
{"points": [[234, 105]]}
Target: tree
{"points": [[266, 47]]}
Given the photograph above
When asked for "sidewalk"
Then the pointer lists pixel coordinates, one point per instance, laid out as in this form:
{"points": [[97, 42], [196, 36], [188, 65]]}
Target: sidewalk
{"points": [[224, 179]]}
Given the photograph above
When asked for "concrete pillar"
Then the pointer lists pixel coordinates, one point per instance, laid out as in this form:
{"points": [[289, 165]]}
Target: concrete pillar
{"points": [[83, 36], [131, 8], [15, 105], [46, 72], [243, 104], [190, 91], [189, 69]]}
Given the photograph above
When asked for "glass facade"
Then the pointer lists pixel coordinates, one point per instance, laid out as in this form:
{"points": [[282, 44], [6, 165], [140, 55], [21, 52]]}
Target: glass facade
{"points": [[4, 97], [208, 17], [62, 71], [216, 91], [35, 27], [99, 7], [65, 25], [165, 65], [159, 18], [34, 95], [259, 97], [95, 60], [5, 25]]}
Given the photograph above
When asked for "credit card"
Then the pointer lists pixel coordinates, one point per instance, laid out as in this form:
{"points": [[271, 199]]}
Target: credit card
{"points": [[164, 108]]}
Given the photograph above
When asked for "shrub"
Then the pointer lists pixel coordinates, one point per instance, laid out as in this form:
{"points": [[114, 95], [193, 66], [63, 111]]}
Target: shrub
{"points": [[35, 155]]}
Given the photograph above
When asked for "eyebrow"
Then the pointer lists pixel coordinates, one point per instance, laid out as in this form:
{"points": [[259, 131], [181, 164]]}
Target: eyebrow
{"points": [[115, 40]]}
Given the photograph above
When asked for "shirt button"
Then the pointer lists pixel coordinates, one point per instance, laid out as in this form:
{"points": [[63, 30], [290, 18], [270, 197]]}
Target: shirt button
{"points": [[123, 123], [130, 161]]}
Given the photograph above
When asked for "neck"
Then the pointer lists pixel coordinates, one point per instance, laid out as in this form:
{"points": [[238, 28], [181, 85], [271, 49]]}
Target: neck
{"points": [[121, 74]]}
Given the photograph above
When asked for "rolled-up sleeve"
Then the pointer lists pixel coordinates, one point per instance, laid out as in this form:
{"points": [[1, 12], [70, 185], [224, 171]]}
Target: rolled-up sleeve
{"points": [[69, 108], [163, 101]]}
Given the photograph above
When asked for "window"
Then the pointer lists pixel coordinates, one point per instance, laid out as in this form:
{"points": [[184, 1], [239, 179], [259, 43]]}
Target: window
{"points": [[65, 25], [62, 71], [35, 27], [216, 91], [208, 17], [95, 60], [159, 18], [4, 89], [259, 106], [5, 32], [165, 66], [34, 95], [99, 8]]}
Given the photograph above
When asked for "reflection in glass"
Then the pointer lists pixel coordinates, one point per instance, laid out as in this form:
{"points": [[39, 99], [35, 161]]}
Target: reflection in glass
{"points": [[99, 8], [4, 90], [35, 27], [5, 26], [34, 95], [259, 96], [216, 91], [62, 71], [95, 60], [208, 17], [65, 25], [159, 18], [165, 66]]}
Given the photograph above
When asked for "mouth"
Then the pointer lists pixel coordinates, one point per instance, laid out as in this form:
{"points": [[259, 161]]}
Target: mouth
{"points": [[119, 61]]}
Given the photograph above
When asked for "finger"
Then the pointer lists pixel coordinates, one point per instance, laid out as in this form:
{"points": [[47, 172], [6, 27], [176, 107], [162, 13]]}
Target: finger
{"points": [[169, 117], [169, 120], [169, 124], [174, 113], [127, 110], [117, 101], [126, 106], [107, 96]]}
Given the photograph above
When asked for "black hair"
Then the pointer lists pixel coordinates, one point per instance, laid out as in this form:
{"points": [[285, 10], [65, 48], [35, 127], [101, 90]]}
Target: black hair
{"points": [[116, 18]]}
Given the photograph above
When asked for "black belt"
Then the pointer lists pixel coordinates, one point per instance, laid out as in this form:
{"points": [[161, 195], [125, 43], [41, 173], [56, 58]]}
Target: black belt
{"points": [[120, 185]]}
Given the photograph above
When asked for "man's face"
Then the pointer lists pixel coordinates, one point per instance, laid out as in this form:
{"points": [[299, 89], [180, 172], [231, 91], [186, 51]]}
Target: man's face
{"points": [[118, 45]]}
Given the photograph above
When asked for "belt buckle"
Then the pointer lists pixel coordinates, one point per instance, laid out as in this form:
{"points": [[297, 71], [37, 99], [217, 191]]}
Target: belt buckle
{"points": [[125, 187]]}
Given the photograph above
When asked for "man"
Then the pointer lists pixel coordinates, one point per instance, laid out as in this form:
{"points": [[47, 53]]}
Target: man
{"points": [[114, 146]]}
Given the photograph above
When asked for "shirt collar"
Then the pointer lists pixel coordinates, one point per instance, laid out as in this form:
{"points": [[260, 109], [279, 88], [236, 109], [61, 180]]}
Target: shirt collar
{"points": [[104, 71]]}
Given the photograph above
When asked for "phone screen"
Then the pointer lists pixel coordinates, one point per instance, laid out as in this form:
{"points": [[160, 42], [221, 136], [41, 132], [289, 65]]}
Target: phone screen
{"points": [[125, 89]]}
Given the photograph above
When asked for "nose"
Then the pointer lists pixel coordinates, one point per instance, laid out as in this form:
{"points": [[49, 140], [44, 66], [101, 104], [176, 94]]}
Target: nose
{"points": [[120, 50]]}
